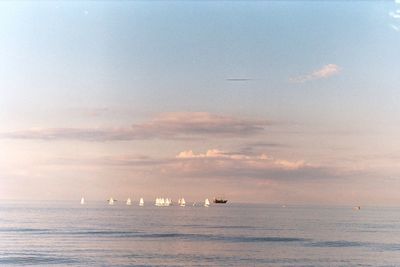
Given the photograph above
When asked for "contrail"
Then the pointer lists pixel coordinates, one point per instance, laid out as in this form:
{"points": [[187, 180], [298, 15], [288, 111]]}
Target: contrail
{"points": [[238, 79]]}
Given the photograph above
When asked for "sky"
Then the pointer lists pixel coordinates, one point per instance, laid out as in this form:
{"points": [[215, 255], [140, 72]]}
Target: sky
{"points": [[266, 101]]}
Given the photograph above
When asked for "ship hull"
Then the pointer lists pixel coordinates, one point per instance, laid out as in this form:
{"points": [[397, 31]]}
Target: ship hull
{"points": [[220, 201]]}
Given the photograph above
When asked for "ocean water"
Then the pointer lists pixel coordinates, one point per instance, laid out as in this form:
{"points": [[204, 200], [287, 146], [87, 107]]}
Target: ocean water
{"points": [[96, 234]]}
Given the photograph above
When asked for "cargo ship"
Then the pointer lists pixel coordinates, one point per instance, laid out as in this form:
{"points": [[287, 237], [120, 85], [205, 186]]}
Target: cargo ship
{"points": [[220, 201]]}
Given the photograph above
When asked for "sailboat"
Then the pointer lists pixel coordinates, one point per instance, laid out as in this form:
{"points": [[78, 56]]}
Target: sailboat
{"points": [[111, 201], [128, 202], [207, 203], [183, 203], [163, 202], [82, 201], [141, 202]]}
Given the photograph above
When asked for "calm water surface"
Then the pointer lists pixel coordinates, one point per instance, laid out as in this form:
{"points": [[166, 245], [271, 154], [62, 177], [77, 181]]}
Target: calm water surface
{"points": [[96, 234]]}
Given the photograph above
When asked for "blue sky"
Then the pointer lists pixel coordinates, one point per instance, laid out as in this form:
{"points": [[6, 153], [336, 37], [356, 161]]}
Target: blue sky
{"points": [[320, 81]]}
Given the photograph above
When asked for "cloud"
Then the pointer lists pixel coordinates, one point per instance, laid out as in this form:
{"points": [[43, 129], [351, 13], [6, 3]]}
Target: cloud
{"points": [[220, 164], [394, 27], [322, 73], [193, 162], [199, 123], [177, 125], [254, 160], [256, 146], [211, 153], [395, 14], [217, 164], [122, 160], [214, 164], [264, 144]]}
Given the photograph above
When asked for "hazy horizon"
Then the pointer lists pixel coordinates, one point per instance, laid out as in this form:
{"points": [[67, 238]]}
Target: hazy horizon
{"points": [[261, 102]]}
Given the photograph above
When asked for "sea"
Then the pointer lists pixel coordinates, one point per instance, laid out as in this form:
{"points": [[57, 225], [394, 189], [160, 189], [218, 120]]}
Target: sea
{"points": [[98, 234]]}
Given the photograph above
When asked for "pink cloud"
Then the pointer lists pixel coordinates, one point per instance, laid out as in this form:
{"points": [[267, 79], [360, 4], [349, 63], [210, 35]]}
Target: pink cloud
{"points": [[178, 125], [211, 153], [254, 161], [324, 72], [212, 164]]}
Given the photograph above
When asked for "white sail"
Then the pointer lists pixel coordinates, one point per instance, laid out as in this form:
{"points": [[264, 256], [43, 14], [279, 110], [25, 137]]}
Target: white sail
{"points": [[111, 201], [179, 201], [128, 201], [206, 203], [141, 202], [82, 201], [163, 202], [183, 202]]}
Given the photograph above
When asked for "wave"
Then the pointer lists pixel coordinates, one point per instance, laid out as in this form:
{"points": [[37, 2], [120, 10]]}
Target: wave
{"points": [[13, 229], [220, 226], [205, 237], [375, 246], [144, 235], [105, 233], [340, 243], [36, 260]]}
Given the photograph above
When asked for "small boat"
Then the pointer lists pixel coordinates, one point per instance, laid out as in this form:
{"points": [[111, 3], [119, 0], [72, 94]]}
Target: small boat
{"points": [[182, 203], [82, 201], [111, 201], [128, 202], [220, 201], [207, 203], [141, 202], [357, 208]]}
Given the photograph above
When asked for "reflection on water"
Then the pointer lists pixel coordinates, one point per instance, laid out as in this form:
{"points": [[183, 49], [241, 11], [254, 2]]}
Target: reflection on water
{"points": [[226, 235]]}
